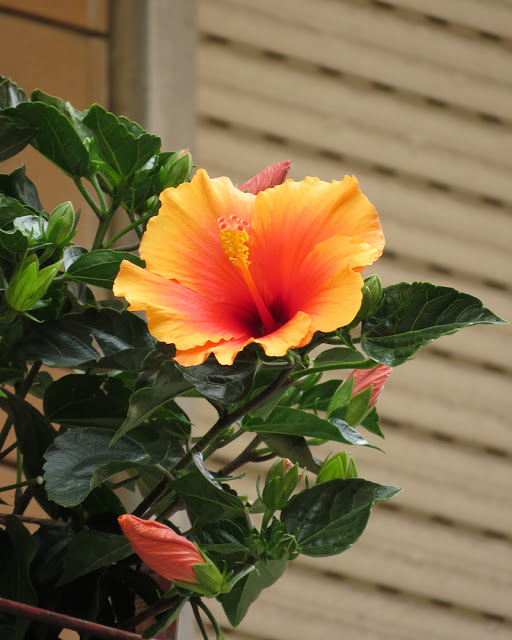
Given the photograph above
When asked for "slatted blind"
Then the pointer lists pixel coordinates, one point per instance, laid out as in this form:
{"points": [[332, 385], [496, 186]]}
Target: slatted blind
{"points": [[415, 99]]}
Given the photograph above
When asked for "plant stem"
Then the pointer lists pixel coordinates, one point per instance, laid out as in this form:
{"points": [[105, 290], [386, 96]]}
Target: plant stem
{"points": [[133, 225], [242, 458], [5, 431], [88, 198], [223, 423], [96, 185], [158, 607], [43, 616], [361, 364], [22, 502], [8, 450], [102, 229], [200, 624], [40, 521], [25, 483], [211, 618]]}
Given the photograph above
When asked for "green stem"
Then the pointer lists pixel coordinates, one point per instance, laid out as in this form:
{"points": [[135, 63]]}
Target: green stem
{"points": [[8, 450], [131, 226], [266, 518], [242, 458], [223, 423], [200, 624], [25, 483], [101, 198], [362, 364], [211, 618], [102, 229], [88, 198]]}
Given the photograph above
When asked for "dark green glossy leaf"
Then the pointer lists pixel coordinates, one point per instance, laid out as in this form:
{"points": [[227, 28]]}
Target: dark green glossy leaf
{"points": [[52, 543], [14, 137], [55, 136], [143, 403], [319, 396], [371, 423], [338, 354], [236, 603], [81, 459], [327, 519], [220, 383], [16, 185], [86, 400], [20, 587], [34, 434], [294, 422], [123, 145], [294, 448], [103, 500], [206, 497], [91, 550], [10, 94], [412, 315], [99, 268], [74, 116], [78, 338], [221, 539]]}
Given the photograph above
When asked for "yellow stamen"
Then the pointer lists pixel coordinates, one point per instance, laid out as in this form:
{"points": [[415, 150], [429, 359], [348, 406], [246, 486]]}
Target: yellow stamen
{"points": [[234, 243]]}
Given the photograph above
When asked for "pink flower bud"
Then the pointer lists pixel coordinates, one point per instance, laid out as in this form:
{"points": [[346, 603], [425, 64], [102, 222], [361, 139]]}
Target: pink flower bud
{"points": [[269, 177], [363, 378], [166, 552]]}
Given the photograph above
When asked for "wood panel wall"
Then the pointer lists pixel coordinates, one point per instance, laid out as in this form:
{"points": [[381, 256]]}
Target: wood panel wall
{"points": [[415, 99]]}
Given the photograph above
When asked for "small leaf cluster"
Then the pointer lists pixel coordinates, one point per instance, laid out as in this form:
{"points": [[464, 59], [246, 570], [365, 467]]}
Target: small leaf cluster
{"points": [[94, 403]]}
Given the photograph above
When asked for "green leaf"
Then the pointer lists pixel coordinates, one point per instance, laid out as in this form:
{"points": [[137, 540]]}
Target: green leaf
{"points": [[328, 518], [86, 400], [220, 383], [221, 539], [16, 185], [55, 136], [164, 620], [34, 434], [338, 354], [206, 498], [294, 448], [412, 315], [103, 500], [10, 94], [236, 603], [74, 116], [319, 396], [78, 338], [20, 587], [123, 145], [81, 459], [91, 550], [143, 403], [99, 268], [294, 422], [371, 423]]}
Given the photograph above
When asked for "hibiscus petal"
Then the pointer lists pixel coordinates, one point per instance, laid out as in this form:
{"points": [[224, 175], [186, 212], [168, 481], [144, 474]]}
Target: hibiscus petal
{"points": [[269, 177], [225, 352], [327, 287], [176, 314], [291, 219], [289, 336], [183, 241]]}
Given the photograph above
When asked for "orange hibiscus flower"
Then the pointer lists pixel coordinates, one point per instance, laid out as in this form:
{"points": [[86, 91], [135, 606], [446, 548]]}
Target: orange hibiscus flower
{"points": [[226, 268]]}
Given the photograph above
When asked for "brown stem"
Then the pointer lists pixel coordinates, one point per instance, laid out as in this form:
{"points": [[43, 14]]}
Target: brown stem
{"points": [[21, 503], [150, 612], [242, 458], [40, 521], [44, 616]]}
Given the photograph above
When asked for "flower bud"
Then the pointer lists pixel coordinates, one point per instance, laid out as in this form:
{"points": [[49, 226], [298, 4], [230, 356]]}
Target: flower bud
{"points": [[166, 552], [269, 177], [28, 284], [364, 378], [280, 483], [176, 169], [372, 293], [341, 465], [61, 225]]}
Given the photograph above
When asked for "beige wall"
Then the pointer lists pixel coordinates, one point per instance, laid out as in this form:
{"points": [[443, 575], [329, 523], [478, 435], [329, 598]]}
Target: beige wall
{"points": [[415, 99]]}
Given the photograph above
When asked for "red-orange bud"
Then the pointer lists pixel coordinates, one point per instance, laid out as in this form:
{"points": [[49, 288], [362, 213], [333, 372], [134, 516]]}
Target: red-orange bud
{"points": [[363, 378], [269, 177], [166, 552]]}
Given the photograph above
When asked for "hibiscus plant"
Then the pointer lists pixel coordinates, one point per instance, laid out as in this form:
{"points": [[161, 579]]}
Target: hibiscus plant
{"points": [[240, 287]]}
